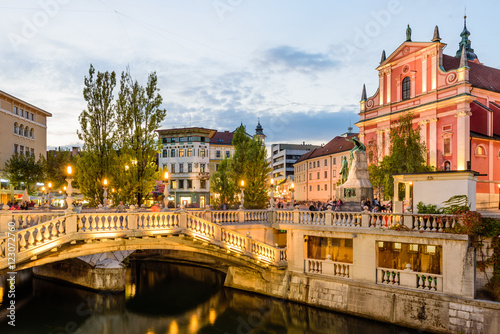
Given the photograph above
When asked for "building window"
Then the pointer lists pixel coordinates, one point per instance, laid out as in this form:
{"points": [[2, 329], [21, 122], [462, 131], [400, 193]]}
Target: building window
{"points": [[32, 151], [21, 113], [27, 115], [406, 88], [165, 154], [318, 187], [16, 128], [32, 117], [21, 149], [21, 129], [203, 184], [181, 152], [15, 148], [422, 258], [172, 153], [334, 161], [181, 168], [202, 168], [190, 139], [190, 167], [172, 168], [32, 133], [189, 184], [339, 250], [202, 152], [447, 166], [310, 188], [326, 162], [334, 173], [314, 164], [326, 174], [202, 139], [15, 110], [172, 140], [164, 140], [228, 154], [220, 140], [480, 150], [310, 176], [326, 187], [190, 152], [317, 175], [181, 184], [447, 145], [217, 154], [498, 153], [216, 167], [310, 164], [26, 132], [181, 139]]}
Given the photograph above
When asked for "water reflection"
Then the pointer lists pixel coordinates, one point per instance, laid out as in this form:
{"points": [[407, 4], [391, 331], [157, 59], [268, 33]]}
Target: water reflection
{"points": [[174, 299]]}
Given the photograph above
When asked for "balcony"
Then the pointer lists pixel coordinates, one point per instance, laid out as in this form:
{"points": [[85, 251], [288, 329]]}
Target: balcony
{"points": [[204, 175]]}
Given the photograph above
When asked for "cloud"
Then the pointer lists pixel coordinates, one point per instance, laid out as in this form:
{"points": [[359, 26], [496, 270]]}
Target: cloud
{"points": [[295, 59]]}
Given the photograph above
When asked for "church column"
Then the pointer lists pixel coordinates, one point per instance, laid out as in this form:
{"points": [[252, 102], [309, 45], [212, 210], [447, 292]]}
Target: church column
{"points": [[434, 70], [381, 87], [380, 147], [433, 142], [388, 73], [424, 74], [463, 134], [387, 141], [413, 84]]}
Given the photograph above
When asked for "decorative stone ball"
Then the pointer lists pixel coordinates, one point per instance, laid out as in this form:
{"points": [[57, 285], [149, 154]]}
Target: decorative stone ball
{"points": [[366, 208], [132, 207], [5, 207]]}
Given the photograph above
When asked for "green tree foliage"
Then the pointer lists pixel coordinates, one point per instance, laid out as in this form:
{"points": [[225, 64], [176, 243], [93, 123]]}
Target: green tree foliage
{"points": [[139, 115], [25, 169], [55, 167], [98, 134], [407, 155], [222, 186]]}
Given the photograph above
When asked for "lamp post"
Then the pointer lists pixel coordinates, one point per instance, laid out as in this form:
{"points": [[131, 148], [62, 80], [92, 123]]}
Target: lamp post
{"points": [[292, 191], [271, 201], [174, 185], [43, 196], [242, 196], [165, 191], [105, 194], [50, 186], [69, 189]]}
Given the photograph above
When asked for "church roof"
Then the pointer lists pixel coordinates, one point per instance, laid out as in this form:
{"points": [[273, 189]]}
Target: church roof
{"points": [[480, 76], [336, 145]]}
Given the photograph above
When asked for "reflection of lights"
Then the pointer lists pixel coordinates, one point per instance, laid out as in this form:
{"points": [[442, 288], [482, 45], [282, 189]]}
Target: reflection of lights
{"points": [[212, 315], [193, 324], [129, 291], [150, 331], [174, 328], [1, 294]]}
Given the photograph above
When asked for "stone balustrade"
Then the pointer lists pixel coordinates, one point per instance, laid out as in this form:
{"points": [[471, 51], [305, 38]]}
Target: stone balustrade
{"points": [[410, 279], [328, 268]]}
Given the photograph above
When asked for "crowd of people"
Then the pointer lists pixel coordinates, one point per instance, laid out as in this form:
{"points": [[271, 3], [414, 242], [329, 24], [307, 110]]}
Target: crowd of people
{"points": [[376, 206], [19, 205]]}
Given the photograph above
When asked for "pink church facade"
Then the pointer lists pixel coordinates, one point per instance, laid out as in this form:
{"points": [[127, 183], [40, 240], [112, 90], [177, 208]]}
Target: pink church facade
{"points": [[455, 101]]}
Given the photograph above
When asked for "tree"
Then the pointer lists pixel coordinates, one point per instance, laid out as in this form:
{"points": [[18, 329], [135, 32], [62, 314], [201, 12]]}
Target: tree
{"points": [[98, 134], [55, 165], [223, 186], [138, 116], [407, 155], [249, 164], [25, 169]]}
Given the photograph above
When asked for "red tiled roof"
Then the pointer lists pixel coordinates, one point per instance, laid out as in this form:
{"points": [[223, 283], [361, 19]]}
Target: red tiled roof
{"points": [[479, 75], [226, 137], [336, 145]]}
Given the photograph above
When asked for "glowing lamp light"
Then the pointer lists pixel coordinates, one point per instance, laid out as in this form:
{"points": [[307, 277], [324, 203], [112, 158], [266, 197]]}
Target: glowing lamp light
{"points": [[69, 170], [64, 188], [126, 167], [242, 183], [165, 176], [49, 185], [272, 181], [43, 188], [105, 182], [293, 185]]}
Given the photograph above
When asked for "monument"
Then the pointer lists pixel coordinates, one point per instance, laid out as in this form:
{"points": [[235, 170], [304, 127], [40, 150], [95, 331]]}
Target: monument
{"points": [[357, 185]]}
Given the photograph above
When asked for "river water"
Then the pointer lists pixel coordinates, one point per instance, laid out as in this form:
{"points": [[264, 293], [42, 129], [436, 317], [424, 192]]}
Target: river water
{"points": [[168, 298]]}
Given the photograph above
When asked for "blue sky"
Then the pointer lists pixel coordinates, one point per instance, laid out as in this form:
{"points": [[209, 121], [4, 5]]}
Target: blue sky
{"points": [[299, 66]]}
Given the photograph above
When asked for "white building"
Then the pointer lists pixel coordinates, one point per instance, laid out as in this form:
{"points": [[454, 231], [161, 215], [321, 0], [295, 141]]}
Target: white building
{"points": [[186, 155], [283, 156]]}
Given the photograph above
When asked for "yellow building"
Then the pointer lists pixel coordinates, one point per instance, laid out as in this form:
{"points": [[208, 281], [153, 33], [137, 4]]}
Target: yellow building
{"points": [[23, 130]]}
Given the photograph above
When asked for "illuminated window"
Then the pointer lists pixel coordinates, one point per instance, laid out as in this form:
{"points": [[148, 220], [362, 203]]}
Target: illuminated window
{"points": [[202, 153], [181, 152], [480, 150], [335, 249], [421, 258], [190, 152], [406, 88]]}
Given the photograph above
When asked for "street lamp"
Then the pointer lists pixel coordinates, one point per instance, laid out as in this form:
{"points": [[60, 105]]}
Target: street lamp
{"points": [[165, 191], [271, 201], [50, 186], [105, 194], [69, 189], [292, 191], [242, 196]]}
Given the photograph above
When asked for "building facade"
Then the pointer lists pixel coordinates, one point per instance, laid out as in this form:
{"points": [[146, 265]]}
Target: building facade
{"points": [[23, 130], [221, 147], [282, 158], [317, 172], [455, 101], [185, 154]]}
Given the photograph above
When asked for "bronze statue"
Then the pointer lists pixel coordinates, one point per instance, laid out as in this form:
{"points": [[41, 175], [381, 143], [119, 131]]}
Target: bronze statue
{"points": [[358, 146], [344, 170], [408, 34]]}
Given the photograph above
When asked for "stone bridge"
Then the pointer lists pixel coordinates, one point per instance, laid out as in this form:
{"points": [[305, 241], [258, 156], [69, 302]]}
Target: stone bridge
{"points": [[33, 239]]}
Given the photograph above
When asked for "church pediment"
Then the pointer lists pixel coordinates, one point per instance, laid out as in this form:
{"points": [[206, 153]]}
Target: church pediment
{"points": [[405, 49]]}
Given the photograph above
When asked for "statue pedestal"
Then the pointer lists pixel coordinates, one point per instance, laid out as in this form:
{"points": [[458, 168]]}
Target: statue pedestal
{"points": [[358, 185]]}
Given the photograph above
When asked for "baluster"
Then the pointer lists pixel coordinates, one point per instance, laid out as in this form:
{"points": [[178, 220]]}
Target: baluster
{"points": [[39, 236], [46, 234], [434, 223], [424, 281], [435, 284], [53, 231], [22, 241], [348, 271], [31, 240], [429, 282], [61, 227], [93, 223]]}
